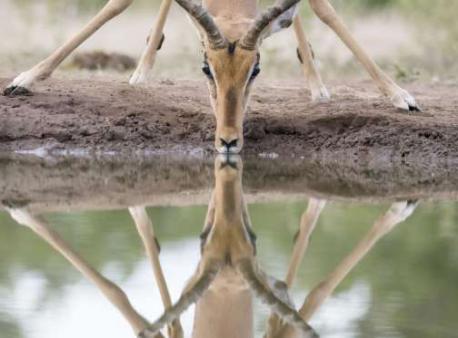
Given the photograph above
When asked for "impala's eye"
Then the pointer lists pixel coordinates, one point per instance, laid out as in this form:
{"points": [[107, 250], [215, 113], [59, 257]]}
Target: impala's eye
{"points": [[256, 71], [206, 70]]}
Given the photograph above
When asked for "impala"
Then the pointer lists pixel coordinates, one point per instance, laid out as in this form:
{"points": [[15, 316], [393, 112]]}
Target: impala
{"points": [[231, 32]]}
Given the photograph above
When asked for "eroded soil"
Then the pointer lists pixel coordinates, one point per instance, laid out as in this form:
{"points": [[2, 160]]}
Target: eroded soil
{"points": [[173, 116]]}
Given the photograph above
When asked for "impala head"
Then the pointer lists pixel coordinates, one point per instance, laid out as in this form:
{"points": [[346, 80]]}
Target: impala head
{"points": [[231, 63]]}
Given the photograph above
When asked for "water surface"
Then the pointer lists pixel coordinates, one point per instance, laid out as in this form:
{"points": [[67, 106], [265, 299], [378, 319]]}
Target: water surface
{"points": [[405, 286]]}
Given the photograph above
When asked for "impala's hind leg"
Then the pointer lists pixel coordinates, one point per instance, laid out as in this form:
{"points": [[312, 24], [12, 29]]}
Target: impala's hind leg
{"points": [[399, 97], [21, 84], [153, 45], [398, 213], [110, 290], [306, 58]]}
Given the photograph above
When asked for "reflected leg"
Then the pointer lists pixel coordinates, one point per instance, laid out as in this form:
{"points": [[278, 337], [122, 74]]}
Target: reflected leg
{"points": [[305, 53], [110, 290], [308, 222], [276, 327], [209, 219], [395, 215], [399, 97], [153, 45], [22, 83], [146, 231]]}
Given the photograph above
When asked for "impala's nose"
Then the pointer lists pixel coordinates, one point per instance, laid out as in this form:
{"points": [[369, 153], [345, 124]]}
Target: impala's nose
{"points": [[229, 145]]}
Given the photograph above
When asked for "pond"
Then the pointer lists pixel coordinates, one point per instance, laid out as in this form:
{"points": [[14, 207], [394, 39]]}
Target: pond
{"points": [[365, 251]]}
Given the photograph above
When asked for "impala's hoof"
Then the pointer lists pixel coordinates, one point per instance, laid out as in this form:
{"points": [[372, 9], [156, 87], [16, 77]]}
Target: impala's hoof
{"points": [[14, 203], [139, 77], [320, 95], [403, 100], [17, 91]]}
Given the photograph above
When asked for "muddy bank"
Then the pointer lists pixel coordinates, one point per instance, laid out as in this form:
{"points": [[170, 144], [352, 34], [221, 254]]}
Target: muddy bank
{"points": [[93, 184], [174, 116]]}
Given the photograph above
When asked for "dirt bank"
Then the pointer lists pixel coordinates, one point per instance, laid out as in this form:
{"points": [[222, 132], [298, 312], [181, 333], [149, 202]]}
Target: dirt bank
{"points": [[173, 116]]}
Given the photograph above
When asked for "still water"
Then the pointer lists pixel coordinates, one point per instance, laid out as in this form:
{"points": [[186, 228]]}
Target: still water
{"points": [[364, 253]]}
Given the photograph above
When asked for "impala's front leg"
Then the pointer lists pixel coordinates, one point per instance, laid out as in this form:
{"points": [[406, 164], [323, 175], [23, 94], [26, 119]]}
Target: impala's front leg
{"points": [[153, 45], [306, 58], [21, 85], [276, 327], [146, 232], [399, 97], [309, 220]]}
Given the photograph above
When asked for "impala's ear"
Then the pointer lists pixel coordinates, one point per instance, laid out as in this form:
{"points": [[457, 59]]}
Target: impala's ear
{"points": [[283, 21]]}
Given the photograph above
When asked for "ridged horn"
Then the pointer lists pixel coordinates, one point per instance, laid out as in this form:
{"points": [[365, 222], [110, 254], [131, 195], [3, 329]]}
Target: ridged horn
{"points": [[250, 39], [215, 39]]}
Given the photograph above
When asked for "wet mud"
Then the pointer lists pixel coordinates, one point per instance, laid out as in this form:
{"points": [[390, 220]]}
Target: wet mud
{"points": [[168, 116]]}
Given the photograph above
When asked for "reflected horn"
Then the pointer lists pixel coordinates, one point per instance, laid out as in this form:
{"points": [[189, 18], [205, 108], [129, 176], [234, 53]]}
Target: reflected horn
{"points": [[186, 300], [201, 15], [250, 40]]}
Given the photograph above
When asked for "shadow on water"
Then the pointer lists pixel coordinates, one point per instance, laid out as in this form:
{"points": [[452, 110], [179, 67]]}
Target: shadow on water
{"points": [[286, 249]]}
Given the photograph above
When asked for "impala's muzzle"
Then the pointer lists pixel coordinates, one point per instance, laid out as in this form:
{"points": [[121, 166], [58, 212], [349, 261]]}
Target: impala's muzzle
{"points": [[228, 146]]}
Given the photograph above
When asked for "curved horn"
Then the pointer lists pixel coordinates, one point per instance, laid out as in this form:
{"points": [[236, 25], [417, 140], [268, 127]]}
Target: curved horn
{"points": [[267, 295], [201, 15], [186, 300], [250, 40]]}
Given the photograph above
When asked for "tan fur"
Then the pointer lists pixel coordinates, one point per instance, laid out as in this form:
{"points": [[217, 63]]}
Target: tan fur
{"points": [[232, 91], [231, 9]]}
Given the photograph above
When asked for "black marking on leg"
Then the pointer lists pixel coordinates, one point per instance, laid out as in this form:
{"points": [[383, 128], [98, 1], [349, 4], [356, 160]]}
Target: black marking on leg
{"points": [[17, 91], [253, 239], [203, 237], [285, 23], [311, 51], [299, 56], [158, 246], [412, 202], [159, 46], [296, 236]]}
